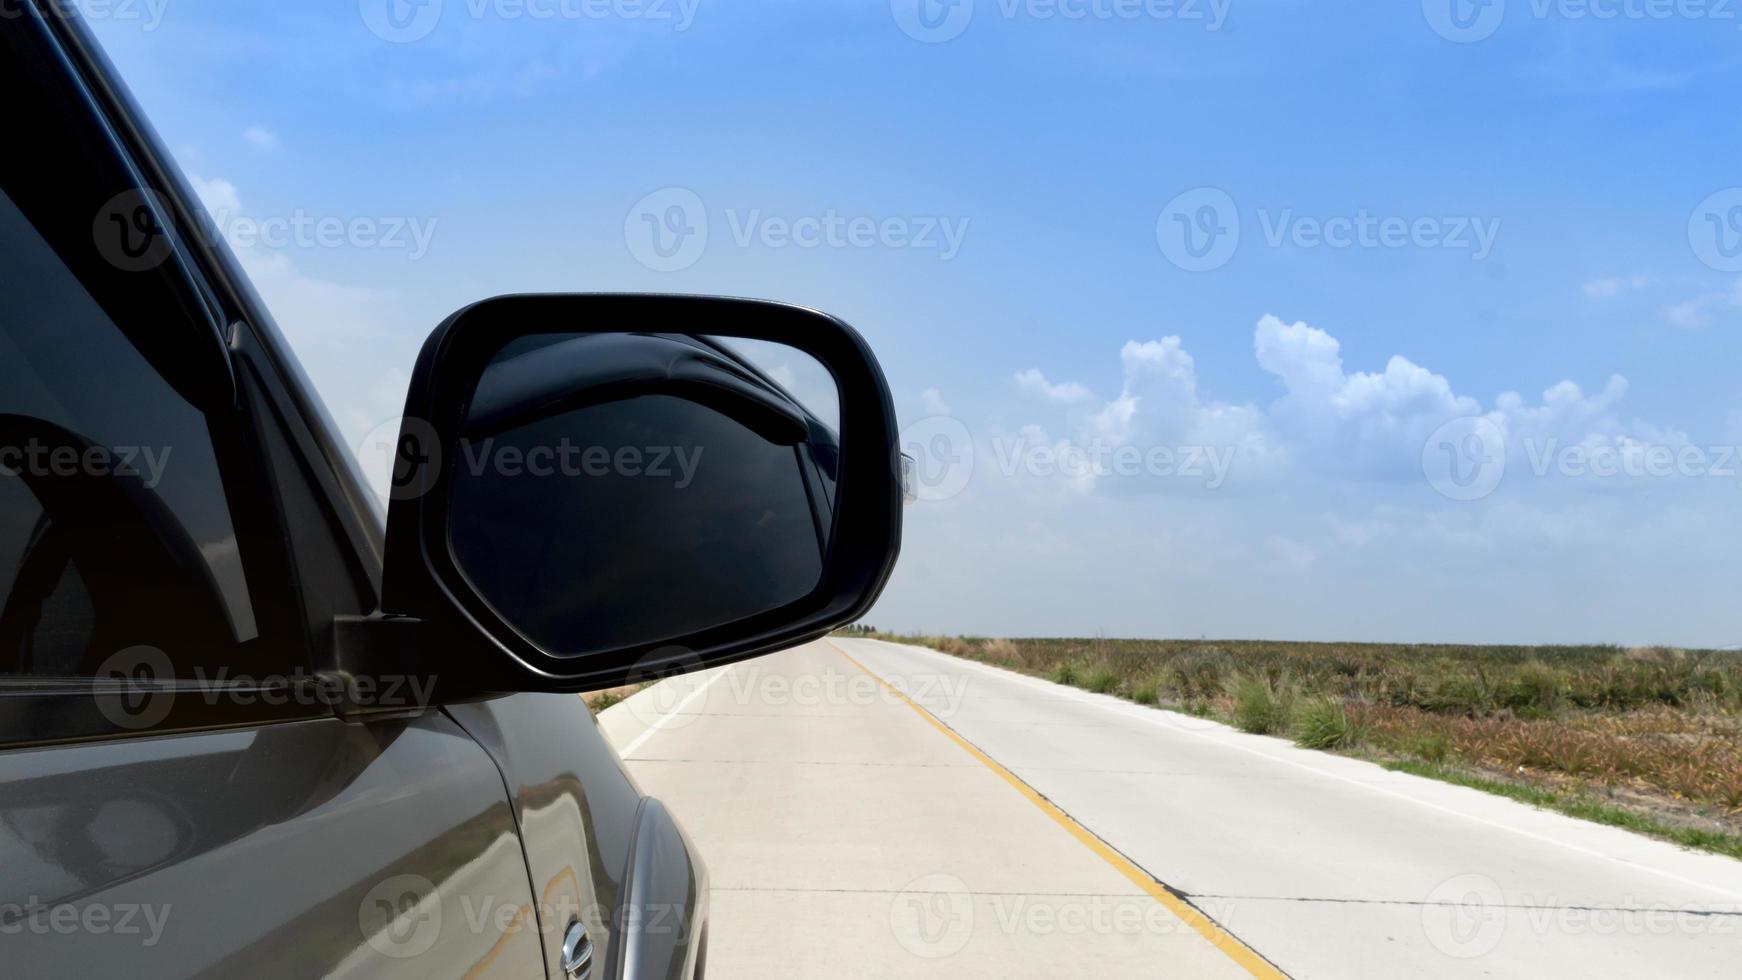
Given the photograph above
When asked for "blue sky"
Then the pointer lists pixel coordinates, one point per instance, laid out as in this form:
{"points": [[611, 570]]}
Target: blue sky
{"points": [[1535, 180]]}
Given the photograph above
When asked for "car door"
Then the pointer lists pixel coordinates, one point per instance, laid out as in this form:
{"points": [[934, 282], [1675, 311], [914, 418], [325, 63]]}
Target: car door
{"points": [[179, 795]]}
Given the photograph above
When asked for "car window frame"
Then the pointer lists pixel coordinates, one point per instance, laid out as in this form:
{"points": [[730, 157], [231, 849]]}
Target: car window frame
{"points": [[277, 681]]}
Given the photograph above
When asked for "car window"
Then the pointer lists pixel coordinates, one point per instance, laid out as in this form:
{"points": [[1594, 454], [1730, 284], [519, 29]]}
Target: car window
{"points": [[115, 528]]}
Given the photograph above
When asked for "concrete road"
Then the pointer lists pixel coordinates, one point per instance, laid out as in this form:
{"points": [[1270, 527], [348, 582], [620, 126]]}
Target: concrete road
{"points": [[872, 809]]}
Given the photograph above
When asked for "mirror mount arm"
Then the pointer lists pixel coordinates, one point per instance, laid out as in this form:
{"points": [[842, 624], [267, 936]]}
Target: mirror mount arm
{"points": [[381, 667]]}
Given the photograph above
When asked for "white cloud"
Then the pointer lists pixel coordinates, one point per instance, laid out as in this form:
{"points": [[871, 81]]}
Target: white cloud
{"points": [[934, 403], [1608, 288], [1340, 424], [218, 195], [1361, 424], [261, 137], [1032, 382], [1698, 313]]}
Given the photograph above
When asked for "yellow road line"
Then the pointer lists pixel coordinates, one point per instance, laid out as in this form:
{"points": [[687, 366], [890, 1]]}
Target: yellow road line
{"points": [[1191, 915]]}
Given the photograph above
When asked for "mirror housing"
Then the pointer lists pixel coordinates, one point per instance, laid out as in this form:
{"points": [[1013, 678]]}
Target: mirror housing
{"points": [[467, 641]]}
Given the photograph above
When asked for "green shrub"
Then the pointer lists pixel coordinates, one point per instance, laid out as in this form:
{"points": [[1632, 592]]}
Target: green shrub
{"points": [[1261, 706], [1326, 724], [1432, 746], [1536, 689], [1066, 673], [1146, 691], [1101, 681]]}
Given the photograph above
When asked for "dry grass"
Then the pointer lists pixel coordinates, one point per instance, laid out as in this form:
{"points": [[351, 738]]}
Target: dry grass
{"points": [[1654, 729]]}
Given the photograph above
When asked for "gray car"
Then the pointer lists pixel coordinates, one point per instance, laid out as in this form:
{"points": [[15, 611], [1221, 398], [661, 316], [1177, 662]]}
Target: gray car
{"points": [[256, 721]]}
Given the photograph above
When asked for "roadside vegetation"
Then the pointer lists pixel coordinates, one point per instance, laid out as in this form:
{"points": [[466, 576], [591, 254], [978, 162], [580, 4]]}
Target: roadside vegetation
{"points": [[600, 700], [1647, 738]]}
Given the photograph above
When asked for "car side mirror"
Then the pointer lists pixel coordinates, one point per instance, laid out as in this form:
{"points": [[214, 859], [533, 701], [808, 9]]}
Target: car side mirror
{"points": [[590, 489]]}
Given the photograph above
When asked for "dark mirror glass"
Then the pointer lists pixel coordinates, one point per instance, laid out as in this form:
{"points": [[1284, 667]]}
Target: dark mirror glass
{"points": [[611, 490]]}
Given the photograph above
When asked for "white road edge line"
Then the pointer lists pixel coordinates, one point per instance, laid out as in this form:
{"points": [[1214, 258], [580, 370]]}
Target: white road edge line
{"points": [[1159, 718], [654, 728]]}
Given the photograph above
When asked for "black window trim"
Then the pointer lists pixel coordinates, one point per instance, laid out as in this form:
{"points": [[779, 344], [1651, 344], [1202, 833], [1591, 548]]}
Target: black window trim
{"points": [[48, 710]]}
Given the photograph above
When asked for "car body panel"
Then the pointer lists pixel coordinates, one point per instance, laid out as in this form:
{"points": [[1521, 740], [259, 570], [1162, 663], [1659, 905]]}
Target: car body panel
{"points": [[263, 853]]}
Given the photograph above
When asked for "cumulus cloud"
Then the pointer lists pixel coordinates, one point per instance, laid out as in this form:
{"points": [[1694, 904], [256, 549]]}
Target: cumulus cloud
{"points": [[1032, 382], [1342, 424]]}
